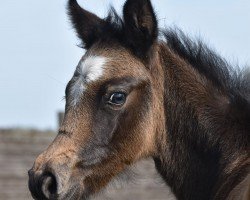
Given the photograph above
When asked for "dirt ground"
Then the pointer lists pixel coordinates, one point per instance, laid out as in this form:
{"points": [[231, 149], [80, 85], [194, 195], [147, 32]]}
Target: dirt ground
{"points": [[18, 149]]}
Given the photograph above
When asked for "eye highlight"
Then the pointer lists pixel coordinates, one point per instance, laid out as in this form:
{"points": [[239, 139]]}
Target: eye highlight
{"points": [[117, 98]]}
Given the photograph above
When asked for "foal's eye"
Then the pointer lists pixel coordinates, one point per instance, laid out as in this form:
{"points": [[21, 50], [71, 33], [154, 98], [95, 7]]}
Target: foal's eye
{"points": [[117, 98]]}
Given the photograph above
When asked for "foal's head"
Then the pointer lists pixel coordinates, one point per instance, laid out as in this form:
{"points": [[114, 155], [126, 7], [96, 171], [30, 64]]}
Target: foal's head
{"points": [[112, 112]]}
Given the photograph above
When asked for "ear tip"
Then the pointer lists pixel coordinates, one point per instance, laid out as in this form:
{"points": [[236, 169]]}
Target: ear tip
{"points": [[73, 4], [139, 6], [129, 2], [135, 5], [74, 9]]}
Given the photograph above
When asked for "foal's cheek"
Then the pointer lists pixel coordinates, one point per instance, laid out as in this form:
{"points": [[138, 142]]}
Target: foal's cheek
{"points": [[104, 126], [96, 148]]}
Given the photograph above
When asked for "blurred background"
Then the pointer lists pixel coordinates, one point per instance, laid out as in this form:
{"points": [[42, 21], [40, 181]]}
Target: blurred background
{"points": [[39, 53]]}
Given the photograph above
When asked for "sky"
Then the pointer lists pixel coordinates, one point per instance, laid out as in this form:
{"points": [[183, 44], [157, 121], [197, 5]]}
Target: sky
{"points": [[39, 53]]}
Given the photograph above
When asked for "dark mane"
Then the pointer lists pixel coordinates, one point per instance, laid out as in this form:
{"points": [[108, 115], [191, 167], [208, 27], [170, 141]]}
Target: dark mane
{"points": [[206, 61], [232, 81]]}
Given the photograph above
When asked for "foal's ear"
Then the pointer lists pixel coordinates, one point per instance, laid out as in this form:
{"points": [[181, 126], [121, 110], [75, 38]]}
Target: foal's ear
{"points": [[87, 25], [141, 27]]}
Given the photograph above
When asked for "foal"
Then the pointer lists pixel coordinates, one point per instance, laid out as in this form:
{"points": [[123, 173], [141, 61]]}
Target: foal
{"points": [[134, 96]]}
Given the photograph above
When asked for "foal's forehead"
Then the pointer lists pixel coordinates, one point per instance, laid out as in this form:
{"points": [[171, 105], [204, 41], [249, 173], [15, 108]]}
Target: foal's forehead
{"points": [[91, 68], [108, 63]]}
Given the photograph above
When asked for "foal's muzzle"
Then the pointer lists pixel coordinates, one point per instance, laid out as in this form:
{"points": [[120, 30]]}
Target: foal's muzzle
{"points": [[42, 185]]}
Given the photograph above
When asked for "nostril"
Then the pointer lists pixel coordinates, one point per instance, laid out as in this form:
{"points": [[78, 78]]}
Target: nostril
{"points": [[42, 185], [49, 185]]}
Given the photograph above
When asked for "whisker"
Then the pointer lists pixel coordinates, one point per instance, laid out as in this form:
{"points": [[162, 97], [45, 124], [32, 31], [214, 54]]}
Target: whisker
{"points": [[56, 80]]}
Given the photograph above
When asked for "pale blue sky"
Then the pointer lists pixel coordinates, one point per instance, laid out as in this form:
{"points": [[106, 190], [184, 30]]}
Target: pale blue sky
{"points": [[38, 51]]}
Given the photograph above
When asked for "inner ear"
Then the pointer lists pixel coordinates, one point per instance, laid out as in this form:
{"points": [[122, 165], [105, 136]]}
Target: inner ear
{"points": [[141, 26]]}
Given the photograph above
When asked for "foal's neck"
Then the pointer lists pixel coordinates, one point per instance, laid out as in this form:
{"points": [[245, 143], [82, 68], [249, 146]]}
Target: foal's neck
{"points": [[201, 158]]}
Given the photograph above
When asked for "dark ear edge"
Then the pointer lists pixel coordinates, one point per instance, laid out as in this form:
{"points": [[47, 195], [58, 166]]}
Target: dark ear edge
{"points": [[141, 27], [87, 25]]}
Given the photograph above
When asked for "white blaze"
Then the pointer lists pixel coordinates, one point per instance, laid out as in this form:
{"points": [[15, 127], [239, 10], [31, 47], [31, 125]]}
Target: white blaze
{"points": [[92, 67], [88, 70]]}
